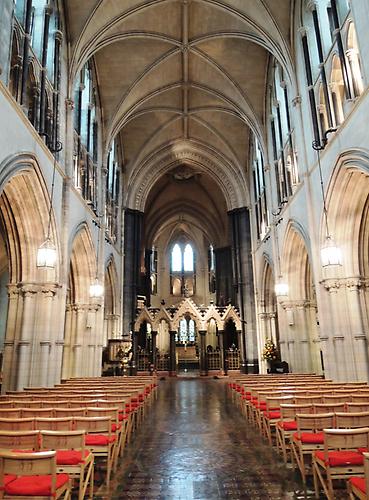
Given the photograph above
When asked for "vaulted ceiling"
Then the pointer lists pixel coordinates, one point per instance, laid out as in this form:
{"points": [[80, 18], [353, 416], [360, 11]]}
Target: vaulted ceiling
{"points": [[183, 80]]}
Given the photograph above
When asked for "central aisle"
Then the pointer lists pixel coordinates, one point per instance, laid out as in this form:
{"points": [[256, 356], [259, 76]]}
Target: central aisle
{"points": [[195, 445]]}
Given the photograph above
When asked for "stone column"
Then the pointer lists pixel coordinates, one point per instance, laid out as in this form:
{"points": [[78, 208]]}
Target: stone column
{"points": [[134, 361], [26, 336], [172, 354], [153, 354], [203, 362], [43, 371], [223, 368], [360, 348]]}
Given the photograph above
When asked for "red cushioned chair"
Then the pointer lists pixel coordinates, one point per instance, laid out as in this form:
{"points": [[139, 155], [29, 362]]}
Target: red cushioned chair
{"points": [[359, 486], [309, 437], [287, 425], [72, 457], [340, 458], [272, 414], [99, 439], [32, 475]]}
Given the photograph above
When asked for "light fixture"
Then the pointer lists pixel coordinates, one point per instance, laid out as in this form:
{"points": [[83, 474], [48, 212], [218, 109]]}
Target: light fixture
{"points": [[281, 288], [330, 253], [46, 254], [97, 288]]}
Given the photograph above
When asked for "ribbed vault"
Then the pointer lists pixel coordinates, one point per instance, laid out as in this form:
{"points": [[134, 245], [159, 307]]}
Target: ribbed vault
{"points": [[181, 71]]}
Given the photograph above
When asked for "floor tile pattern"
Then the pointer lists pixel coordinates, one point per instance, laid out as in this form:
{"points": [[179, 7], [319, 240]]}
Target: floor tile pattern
{"points": [[194, 445]]}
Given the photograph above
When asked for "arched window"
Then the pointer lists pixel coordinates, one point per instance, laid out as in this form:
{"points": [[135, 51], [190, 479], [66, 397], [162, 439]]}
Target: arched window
{"points": [[261, 209], [176, 258], [352, 54], [187, 331], [282, 135], [337, 90], [182, 267], [112, 192], [35, 67], [188, 258], [85, 135]]}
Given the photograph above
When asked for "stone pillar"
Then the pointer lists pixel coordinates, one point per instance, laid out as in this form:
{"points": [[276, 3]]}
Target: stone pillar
{"points": [[26, 336], [172, 354], [153, 354], [58, 349], [24, 349], [203, 362], [134, 361], [223, 368], [357, 328], [43, 370]]}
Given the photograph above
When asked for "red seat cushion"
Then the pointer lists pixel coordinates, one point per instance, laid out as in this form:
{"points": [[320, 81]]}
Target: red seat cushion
{"points": [[272, 414], [288, 425], [359, 483], [363, 450], [70, 457], [310, 437], [122, 416], [34, 485], [98, 440], [341, 458], [115, 427], [8, 478]]}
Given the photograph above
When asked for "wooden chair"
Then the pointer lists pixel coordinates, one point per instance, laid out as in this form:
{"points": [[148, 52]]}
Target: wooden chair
{"points": [[69, 412], [355, 407], [272, 414], [10, 413], [340, 459], [37, 412], [328, 407], [287, 425], [352, 420], [358, 486], [116, 426], [32, 475], [309, 437], [17, 424], [54, 424], [72, 457], [20, 440], [99, 439]]}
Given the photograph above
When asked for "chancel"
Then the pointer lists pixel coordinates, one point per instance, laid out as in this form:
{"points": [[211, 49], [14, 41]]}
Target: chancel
{"points": [[184, 195]]}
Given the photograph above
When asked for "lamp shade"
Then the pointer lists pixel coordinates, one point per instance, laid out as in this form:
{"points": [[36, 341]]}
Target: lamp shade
{"points": [[331, 254], [281, 289], [96, 289], [47, 255]]}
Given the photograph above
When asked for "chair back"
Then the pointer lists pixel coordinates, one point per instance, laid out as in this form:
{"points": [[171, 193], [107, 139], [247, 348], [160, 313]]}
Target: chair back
{"points": [[20, 440], [314, 422], [17, 424], [352, 420], [54, 424], [63, 440]]}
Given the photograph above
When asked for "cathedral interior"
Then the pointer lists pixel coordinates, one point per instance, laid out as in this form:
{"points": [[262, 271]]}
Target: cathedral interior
{"points": [[183, 184]]}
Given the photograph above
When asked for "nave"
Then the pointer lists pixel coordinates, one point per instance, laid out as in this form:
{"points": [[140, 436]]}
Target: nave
{"points": [[196, 445]]}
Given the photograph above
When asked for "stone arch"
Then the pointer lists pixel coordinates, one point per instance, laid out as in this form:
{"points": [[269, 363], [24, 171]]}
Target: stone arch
{"points": [[111, 302], [24, 213], [297, 314], [296, 261], [83, 334], [347, 214], [147, 174], [347, 303]]}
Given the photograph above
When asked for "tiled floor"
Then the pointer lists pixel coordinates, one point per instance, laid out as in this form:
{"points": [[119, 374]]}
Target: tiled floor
{"points": [[195, 445]]}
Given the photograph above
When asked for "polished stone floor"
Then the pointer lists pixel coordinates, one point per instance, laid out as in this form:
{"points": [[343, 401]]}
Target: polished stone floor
{"points": [[195, 445]]}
